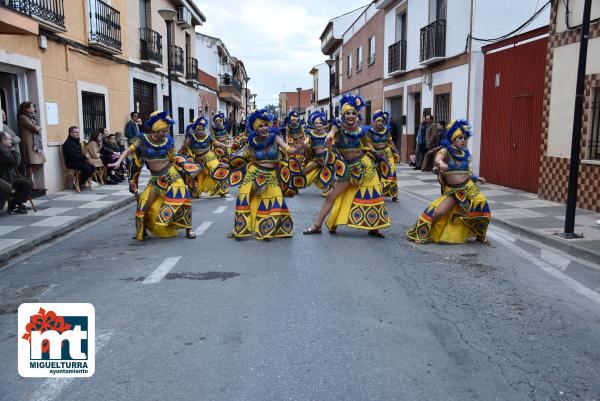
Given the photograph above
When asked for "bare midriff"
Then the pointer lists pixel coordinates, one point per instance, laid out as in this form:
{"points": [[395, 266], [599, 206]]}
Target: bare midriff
{"points": [[157, 165], [265, 164], [350, 154], [457, 177], [379, 146]]}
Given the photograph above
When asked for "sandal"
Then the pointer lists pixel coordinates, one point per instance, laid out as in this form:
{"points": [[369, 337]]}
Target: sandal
{"points": [[312, 230], [395, 199], [376, 233], [484, 241], [190, 235]]}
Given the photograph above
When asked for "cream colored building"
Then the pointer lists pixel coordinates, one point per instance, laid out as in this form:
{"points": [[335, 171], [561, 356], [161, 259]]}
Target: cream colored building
{"points": [[71, 61], [148, 80], [561, 77]]}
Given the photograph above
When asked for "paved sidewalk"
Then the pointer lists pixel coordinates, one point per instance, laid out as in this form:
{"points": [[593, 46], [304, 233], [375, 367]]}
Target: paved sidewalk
{"points": [[520, 211], [58, 214]]}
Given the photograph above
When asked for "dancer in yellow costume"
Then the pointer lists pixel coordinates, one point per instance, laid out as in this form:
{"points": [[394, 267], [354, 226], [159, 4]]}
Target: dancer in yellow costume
{"points": [[355, 199], [462, 211], [378, 135], [198, 145], [260, 208], [316, 169], [165, 205], [222, 146], [294, 132]]}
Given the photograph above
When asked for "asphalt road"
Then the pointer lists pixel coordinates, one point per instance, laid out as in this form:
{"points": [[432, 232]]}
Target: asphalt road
{"points": [[344, 317]]}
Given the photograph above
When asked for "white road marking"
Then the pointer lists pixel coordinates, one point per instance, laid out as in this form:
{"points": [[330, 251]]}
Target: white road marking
{"points": [[555, 259], [50, 389], [162, 270], [203, 227], [568, 281], [229, 199], [220, 210]]}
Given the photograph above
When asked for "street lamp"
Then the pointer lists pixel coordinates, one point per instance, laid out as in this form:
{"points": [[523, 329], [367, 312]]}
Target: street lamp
{"points": [[299, 90], [169, 15], [246, 79], [330, 63]]}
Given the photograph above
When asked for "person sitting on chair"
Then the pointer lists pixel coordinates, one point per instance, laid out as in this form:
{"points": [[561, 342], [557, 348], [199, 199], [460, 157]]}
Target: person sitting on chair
{"points": [[74, 157], [21, 186]]}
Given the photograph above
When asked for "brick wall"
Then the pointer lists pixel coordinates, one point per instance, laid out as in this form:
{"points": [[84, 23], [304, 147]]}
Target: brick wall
{"points": [[207, 98]]}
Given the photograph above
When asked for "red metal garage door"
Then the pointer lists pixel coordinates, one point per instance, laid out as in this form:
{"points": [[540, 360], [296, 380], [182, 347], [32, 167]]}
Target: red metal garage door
{"points": [[511, 129]]}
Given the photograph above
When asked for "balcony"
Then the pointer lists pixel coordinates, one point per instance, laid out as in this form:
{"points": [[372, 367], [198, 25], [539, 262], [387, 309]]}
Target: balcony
{"points": [[50, 14], [433, 42], [151, 48], [334, 82], [184, 17], [230, 90], [397, 57], [329, 43], [105, 27], [177, 61], [191, 72]]}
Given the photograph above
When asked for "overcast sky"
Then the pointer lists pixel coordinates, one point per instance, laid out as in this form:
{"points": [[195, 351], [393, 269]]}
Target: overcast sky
{"points": [[278, 40]]}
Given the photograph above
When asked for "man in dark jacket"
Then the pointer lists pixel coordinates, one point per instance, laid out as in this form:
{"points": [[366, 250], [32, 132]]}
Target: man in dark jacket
{"points": [[132, 128], [21, 186], [74, 157]]}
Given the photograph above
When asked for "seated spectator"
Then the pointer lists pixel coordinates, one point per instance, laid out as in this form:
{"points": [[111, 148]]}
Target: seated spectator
{"points": [[74, 157], [20, 186], [110, 153], [92, 149], [119, 142]]}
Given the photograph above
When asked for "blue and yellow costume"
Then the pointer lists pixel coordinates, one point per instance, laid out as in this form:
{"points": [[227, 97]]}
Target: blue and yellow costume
{"points": [[382, 143], [316, 168], [471, 215], [260, 207], [171, 209], [199, 147], [361, 205], [219, 132], [294, 132]]}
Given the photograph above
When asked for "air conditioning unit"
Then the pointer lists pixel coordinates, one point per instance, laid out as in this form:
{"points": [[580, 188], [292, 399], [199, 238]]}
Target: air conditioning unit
{"points": [[184, 17]]}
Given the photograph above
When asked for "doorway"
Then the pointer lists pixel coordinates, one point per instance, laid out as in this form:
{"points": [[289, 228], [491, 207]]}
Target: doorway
{"points": [[396, 117]]}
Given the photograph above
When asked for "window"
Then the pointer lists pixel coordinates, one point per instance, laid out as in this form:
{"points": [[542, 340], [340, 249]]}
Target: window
{"points": [[368, 112], [371, 56], [594, 137], [181, 120], [94, 114], [192, 115], [437, 10], [359, 59], [442, 107], [349, 73]]}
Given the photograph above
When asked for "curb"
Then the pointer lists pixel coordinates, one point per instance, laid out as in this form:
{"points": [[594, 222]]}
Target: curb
{"points": [[571, 249], [61, 230]]}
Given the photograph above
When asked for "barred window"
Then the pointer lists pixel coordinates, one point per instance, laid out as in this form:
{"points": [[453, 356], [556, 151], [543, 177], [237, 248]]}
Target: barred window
{"points": [[94, 114], [594, 136], [442, 107], [181, 120]]}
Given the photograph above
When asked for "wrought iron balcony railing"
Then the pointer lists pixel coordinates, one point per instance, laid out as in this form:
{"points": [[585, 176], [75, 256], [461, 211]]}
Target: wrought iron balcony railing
{"points": [[397, 57], [151, 46], [227, 80], [433, 41], [105, 26], [177, 60], [191, 72], [50, 13]]}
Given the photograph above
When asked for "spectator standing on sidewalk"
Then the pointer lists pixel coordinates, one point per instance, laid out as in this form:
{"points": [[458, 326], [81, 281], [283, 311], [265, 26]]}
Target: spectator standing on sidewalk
{"points": [[9, 163], [420, 148], [74, 157], [31, 136], [431, 142], [132, 128]]}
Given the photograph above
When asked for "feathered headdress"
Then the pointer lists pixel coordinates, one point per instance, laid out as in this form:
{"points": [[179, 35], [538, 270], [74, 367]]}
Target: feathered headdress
{"points": [[317, 115], [255, 118], [352, 102], [381, 114], [218, 115], [456, 128], [292, 114], [159, 120]]}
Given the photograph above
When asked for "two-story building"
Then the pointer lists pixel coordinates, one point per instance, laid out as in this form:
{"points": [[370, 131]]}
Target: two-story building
{"points": [[561, 73], [148, 82], [321, 88], [224, 80], [70, 59]]}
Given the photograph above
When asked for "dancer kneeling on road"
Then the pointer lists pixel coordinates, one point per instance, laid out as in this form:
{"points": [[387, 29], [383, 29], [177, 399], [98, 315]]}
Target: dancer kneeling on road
{"points": [[355, 199], [462, 211], [165, 205]]}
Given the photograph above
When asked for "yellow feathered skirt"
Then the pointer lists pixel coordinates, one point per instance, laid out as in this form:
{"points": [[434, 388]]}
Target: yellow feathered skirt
{"points": [[361, 205], [170, 211], [204, 183], [260, 208], [389, 187], [470, 217]]}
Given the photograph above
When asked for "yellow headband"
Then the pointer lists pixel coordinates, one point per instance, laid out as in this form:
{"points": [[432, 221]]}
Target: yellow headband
{"points": [[456, 134], [347, 107], [318, 120], [257, 122]]}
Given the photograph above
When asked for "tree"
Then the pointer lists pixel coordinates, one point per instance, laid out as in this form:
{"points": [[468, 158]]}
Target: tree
{"points": [[273, 109]]}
